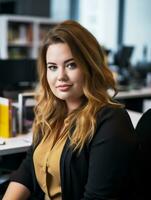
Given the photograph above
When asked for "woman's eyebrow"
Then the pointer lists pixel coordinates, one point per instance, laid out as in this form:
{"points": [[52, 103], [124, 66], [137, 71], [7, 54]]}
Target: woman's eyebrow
{"points": [[52, 63], [66, 61], [70, 59]]}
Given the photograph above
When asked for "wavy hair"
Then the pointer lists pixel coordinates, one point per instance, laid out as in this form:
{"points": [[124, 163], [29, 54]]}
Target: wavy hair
{"points": [[50, 112]]}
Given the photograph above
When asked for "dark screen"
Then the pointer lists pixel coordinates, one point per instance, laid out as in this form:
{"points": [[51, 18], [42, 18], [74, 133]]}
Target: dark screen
{"points": [[16, 72], [7, 7], [123, 56]]}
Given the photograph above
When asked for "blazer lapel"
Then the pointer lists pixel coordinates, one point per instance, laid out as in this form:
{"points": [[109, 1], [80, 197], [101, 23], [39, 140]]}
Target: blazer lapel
{"points": [[65, 167]]}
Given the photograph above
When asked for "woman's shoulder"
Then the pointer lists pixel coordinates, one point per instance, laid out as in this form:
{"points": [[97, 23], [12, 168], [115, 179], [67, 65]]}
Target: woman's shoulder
{"points": [[110, 112], [114, 121]]}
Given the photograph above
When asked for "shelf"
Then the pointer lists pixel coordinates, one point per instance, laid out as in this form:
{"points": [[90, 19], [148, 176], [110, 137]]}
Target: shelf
{"points": [[19, 44], [19, 52], [20, 32], [21, 36]]}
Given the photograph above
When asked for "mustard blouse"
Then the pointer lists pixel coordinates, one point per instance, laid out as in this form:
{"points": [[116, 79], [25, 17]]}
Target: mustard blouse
{"points": [[47, 166]]}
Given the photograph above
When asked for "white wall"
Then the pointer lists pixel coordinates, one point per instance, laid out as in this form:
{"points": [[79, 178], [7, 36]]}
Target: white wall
{"points": [[60, 9], [101, 18], [137, 28]]}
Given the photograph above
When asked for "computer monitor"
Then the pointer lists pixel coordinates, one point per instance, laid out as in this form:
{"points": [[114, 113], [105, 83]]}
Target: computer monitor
{"points": [[123, 56], [17, 73]]}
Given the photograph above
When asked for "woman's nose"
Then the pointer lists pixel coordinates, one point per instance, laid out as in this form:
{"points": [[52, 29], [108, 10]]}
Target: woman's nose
{"points": [[62, 75]]}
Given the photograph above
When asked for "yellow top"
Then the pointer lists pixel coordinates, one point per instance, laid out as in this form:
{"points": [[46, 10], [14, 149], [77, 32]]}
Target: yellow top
{"points": [[47, 166]]}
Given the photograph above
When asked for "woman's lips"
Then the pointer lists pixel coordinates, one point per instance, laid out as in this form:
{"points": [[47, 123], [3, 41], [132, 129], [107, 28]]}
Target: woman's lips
{"points": [[64, 88]]}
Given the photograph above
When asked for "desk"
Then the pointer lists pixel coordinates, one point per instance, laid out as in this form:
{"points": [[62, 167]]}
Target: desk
{"points": [[22, 143], [16, 144], [141, 93], [134, 99]]}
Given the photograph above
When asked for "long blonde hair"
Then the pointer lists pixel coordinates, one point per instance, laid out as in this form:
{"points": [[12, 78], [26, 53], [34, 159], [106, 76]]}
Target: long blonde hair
{"points": [[51, 112]]}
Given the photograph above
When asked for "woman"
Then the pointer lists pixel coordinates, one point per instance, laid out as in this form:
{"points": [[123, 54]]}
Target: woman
{"points": [[83, 140]]}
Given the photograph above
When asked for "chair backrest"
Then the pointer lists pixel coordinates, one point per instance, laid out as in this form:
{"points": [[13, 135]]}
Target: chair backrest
{"points": [[143, 128], [142, 171]]}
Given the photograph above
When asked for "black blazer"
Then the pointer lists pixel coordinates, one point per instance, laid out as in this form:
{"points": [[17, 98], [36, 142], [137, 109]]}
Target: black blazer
{"points": [[100, 171]]}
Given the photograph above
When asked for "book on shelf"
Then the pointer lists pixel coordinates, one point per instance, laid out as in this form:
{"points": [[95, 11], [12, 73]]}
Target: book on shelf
{"points": [[5, 118], [20, 34], [8, 118], [18, 53]]}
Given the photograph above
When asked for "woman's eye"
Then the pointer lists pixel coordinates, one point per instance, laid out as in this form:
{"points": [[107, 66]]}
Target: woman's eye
{"points": [[72, 65], [52, 67]]}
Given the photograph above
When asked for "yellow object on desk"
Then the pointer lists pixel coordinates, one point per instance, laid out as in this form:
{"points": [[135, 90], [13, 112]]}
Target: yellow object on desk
{"points": [[5, 118]]}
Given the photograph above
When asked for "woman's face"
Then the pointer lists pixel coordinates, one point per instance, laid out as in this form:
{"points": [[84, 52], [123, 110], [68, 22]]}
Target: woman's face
{"points": [[64, 76]]}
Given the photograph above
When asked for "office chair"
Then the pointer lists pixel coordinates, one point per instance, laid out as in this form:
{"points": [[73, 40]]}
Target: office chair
{"points": [[142, 169]]}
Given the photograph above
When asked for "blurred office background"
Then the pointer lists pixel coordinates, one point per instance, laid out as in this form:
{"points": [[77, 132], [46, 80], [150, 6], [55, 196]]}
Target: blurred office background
{"points": [[121, 26], [113, 22]]}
